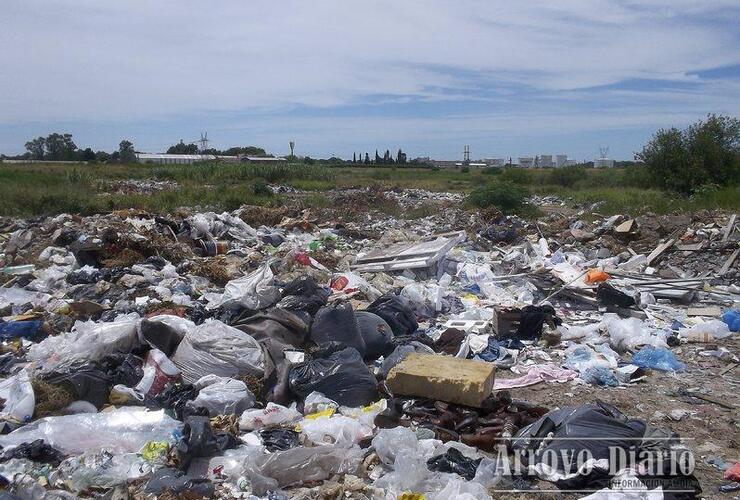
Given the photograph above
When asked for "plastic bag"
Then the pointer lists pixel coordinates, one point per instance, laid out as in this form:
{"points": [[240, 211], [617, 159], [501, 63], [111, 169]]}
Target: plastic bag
{"points": [[223, 396], [338, 372], [376, 333], [19, 329], [253, 291], [279, 439], [461, 490], [453, 461], [164, 331], [336, 323], [159, 372], [708, 330], [658, 359], [104, 470], [273, 415], [394, 310], [216, 348], [299, 465], [388, 443], [88, 341], [732, 318], [121, 431], [596, 276], [630, 333], [18, 398], [336, 430]]}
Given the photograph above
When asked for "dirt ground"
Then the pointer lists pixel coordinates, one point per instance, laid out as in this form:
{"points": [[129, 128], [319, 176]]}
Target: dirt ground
{"points": [[710, 430]]}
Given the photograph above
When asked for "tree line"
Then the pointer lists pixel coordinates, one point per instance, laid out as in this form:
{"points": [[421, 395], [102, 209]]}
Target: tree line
{"points": [[386, 159], [61, 147]]}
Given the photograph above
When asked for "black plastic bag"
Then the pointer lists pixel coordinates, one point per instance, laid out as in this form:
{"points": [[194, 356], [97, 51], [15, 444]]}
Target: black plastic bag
{"points": [[607, 295], [337, 372], [394, 310], [337, 323], [175, 481], [160, 335], [199, 440], [376, 333], [455, 462], [304, 295], [531, 320], [279, 439], [88, 382], [174, 398], [36, 451]]}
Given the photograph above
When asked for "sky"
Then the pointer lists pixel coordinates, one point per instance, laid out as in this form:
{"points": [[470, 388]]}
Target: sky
{"points": [[342, 76]]}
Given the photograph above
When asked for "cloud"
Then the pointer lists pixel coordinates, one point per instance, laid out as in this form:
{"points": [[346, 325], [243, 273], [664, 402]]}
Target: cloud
{"points": [[88, 61]]}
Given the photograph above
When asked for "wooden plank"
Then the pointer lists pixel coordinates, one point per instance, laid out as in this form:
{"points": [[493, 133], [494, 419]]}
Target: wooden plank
{"points": [[728, 263], [728, 229], [659, 251]]}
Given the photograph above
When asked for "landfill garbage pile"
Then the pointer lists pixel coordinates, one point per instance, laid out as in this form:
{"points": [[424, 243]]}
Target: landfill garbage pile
{"points": [[285, 353]]}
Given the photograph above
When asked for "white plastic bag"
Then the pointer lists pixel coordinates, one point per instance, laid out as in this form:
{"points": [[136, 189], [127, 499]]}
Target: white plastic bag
{"points": [[124, 430], [19, 398], [216, 348], [388, 443], [253, 291], [159, 372], [336, 430], [272, 415], [222, 395]]}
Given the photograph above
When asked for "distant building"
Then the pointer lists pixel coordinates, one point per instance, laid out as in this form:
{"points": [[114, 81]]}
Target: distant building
{"points": [[495, 162], [266, 160], [546, 161], [603, 163], [570, 163], [446, 163], [561, 160], [526, 161], [168, 159]]}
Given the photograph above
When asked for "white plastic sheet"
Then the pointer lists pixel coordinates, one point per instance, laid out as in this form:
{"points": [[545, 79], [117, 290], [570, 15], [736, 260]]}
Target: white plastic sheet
{"points": [[124, 430]]}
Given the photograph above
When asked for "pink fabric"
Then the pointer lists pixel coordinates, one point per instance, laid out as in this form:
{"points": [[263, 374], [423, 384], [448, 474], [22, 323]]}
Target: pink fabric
{"points": [[547, 372]]}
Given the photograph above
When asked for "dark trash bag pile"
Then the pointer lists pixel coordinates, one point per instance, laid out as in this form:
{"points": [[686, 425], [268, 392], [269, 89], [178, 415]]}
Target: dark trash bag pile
{"points": [[209, 355]]}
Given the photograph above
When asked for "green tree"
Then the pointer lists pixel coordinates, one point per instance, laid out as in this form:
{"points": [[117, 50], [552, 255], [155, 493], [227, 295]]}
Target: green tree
{"points": [[102, 156], [707, 152], [377, 157], [126, 153], [87, 155], [60, 147], [400, 157], [354, 157], [367, 159], [36, 148], [183, 149]]}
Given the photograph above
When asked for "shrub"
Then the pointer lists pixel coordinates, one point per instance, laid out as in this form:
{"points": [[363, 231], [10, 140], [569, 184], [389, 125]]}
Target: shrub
{"points": [[567, 176], [517, 175], [260, 188], [504, 195], [707, 152]]}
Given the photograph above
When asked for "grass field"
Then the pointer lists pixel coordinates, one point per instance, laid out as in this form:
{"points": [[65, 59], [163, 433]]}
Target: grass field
{"points": [[29, 190]]}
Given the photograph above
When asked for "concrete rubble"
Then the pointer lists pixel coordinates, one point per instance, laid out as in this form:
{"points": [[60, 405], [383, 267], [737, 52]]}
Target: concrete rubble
{"points": [[295, 352]]}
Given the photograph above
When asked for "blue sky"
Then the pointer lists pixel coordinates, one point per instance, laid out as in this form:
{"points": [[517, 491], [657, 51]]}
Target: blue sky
{"points": [[337, 76]]}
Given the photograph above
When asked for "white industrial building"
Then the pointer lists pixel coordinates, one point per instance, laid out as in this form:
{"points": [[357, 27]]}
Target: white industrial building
{"points": [[526, 161], [546, 161], [603, 163], [561, 160], [173, 159]]}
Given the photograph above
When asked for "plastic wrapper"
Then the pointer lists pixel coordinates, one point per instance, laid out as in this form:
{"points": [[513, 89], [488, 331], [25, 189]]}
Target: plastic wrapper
{"points": [[104, 470], [279, 439], [88, 341], [159, 372], [223, 396], [18, 398], [123, 430], [216, 348], [337, 372], [273, 415], [316, 402], [253, 291]]}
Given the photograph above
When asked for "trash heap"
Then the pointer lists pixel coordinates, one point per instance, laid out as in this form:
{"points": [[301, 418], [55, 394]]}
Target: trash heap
{"points": [[276, 353]]}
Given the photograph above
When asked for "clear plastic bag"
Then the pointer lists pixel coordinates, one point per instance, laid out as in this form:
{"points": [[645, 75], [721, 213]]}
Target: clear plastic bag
{"points": [[123, 430], [88, 341], [216, 348], [18, 398], [223, 396], [389, 443], [336, 430], [253, 291], [272, 415], [658, 359]]}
